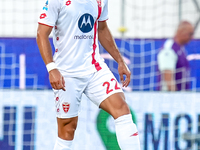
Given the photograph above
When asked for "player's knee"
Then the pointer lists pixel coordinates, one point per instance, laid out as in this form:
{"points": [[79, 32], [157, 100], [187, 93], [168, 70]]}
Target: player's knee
{"points": [[66, 128], [69, 130], [122, 110]]}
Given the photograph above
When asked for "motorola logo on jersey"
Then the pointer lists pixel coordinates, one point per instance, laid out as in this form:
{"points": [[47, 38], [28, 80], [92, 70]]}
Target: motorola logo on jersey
{"points": [[86, 23]]}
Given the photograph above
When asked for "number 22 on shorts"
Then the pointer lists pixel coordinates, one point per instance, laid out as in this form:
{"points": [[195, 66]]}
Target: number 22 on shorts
{"points": [[109, 89]]}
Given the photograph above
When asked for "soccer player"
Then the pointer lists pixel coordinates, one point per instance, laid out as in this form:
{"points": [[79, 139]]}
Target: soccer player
{"points": [[172, 61], [78, 68]]}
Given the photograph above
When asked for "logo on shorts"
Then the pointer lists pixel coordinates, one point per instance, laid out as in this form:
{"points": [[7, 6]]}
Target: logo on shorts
{"points": [[86, 23], [66, 106]]}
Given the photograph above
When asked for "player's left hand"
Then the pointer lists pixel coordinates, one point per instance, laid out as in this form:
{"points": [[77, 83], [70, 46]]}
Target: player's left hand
{"points": [[123, 70]]}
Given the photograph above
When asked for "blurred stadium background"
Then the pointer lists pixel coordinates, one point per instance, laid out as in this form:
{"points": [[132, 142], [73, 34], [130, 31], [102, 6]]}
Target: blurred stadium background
{"points": [[166, 121]]}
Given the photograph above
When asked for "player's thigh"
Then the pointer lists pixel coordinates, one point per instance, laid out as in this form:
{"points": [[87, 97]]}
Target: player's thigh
{"points": [[101, 85], [115, 105]]}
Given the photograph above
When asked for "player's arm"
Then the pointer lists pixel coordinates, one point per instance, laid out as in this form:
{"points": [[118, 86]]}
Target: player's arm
{"points": [[55, 78], [168, 77], [167, 60], [108, 43]]}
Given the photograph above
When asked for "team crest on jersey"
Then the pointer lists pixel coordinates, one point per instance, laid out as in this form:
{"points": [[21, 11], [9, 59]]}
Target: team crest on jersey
{"points": [[66, 107], [86, 23], [46, 6]]}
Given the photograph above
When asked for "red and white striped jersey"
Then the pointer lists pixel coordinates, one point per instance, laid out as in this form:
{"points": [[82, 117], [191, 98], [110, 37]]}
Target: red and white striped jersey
{"points": [[75, 36]]}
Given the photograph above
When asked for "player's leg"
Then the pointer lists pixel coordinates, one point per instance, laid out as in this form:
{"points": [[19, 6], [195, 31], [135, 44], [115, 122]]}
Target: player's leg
{"points": [[105, 92], [126, 130], [115, 105], [67, 107], [66, 129]]}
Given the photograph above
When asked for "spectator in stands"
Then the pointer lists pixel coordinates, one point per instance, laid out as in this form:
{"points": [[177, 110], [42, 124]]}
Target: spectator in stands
{"points": [[172, 61]]}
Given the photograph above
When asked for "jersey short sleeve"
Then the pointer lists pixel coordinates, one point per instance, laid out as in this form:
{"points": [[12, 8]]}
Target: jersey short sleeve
{"points": [[50, 13], [104, 13], [167, 60]]}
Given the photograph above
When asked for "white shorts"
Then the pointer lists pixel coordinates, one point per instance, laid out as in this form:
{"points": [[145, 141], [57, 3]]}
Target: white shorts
{"points": [[97, 87]]}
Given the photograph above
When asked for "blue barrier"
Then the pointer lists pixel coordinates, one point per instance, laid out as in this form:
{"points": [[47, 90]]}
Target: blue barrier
{"points": [[36, 76]]}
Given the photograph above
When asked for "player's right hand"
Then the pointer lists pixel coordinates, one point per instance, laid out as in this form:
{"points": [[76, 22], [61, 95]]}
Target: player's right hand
{"points": [[57, 80], [124, 70]]}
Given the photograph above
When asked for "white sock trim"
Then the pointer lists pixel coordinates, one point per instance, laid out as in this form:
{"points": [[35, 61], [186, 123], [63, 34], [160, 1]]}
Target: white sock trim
{"points": [[62, 144], [124, 119], [65, 142]]}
